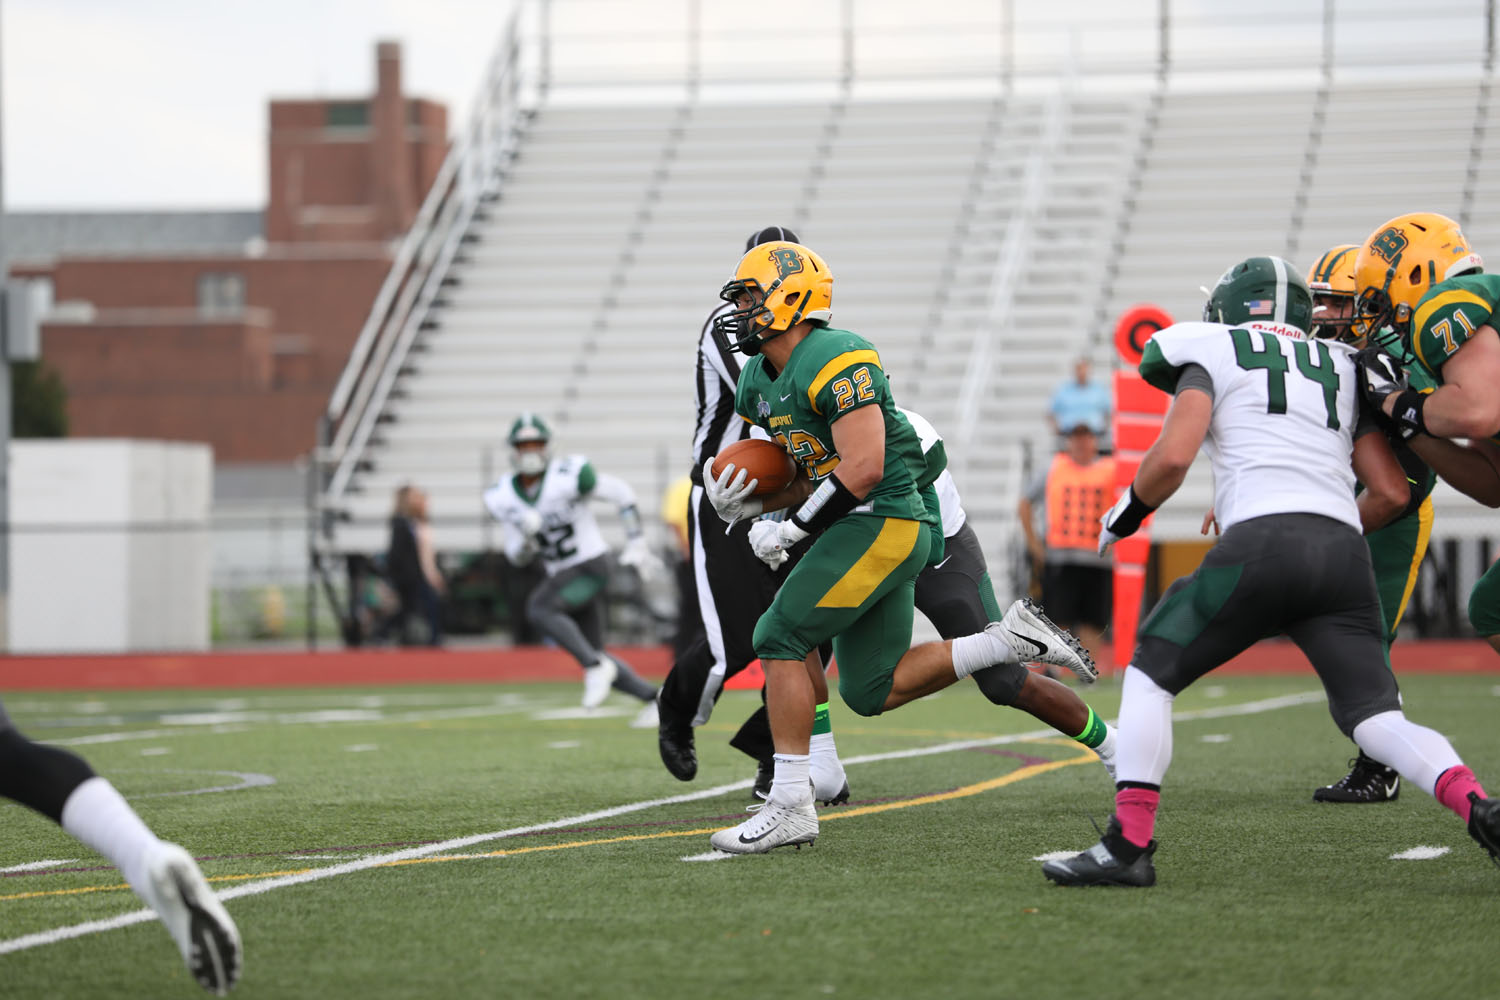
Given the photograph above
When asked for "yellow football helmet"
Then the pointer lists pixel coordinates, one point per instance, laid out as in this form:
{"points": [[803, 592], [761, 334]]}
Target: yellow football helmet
{"points": [[1331, 281], [1400, 263], [775, 287]]}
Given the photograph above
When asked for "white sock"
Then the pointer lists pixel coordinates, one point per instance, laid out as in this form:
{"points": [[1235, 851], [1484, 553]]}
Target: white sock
{"points": [[1106, 749], [824, 767], [791, 784], [1144, 749], [1419, 753], [97, 815], [980, 650]]}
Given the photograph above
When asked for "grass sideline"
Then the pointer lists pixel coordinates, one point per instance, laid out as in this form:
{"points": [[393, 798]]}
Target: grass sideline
{"points": [[1262, 892]]}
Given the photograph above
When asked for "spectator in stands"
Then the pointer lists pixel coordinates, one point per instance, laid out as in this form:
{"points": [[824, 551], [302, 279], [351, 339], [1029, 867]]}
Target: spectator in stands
{"points": [[1079, 400], [1076, 489], [411, 565]]}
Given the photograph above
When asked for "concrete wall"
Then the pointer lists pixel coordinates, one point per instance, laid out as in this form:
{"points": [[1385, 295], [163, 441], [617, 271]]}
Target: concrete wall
{"points": [[110, 547]]}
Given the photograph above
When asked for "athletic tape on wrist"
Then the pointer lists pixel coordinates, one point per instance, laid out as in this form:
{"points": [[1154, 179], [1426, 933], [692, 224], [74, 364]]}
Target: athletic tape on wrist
{"points": [[1131, 517], [1407, 413]]}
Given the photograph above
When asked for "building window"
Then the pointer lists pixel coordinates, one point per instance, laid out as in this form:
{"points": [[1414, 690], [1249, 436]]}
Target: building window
{"points": [[347, 114], [221, 292]]}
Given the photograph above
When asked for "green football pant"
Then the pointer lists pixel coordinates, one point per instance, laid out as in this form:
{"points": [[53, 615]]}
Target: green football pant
{"points": [[856, 586], [1396, 553]]}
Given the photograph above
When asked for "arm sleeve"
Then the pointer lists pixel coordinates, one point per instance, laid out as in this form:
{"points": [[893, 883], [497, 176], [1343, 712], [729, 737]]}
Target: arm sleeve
{"points": [[607, 487], [1195, 376]]}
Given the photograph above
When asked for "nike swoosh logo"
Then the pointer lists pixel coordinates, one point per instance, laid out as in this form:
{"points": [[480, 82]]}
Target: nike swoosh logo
{"points": [[752, 840], [943, 563], [1041, 647], [1391, 788], [786, 397]]}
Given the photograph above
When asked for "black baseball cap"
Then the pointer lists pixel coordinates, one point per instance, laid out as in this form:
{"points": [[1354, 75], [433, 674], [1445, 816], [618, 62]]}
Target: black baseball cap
{"points": [[771, 234]]}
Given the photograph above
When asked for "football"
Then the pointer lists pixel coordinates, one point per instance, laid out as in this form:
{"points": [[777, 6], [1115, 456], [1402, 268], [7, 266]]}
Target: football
{"points": [[765, 461]]}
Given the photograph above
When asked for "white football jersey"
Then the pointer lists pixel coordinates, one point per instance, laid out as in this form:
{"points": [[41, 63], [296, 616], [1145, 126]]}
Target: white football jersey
{"points": [[1284, 414], [569, 533], [950, 506]]}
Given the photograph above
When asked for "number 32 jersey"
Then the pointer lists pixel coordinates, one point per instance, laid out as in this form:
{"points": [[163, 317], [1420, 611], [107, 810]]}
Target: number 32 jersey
{"points": [[1285, 412]]}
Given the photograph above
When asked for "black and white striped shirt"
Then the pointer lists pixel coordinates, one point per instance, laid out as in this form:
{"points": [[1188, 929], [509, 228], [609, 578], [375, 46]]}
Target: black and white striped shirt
{"points": [[717, 371]]}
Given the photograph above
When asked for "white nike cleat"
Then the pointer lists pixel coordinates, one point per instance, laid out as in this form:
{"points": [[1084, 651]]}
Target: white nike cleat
{"points": [[774, 825], [647, 717], [597, 681], [1036, 640], [192, 914]]}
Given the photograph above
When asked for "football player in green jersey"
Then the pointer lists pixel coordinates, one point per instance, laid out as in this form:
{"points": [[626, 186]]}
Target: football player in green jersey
{"points": [[822, 393], [1396, 550], [1418, 275]]}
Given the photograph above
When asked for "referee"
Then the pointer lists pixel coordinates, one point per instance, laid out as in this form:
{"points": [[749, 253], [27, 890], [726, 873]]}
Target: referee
{"points": [[732, 586]]}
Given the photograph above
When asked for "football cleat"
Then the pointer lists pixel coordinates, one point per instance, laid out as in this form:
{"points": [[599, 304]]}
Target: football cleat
{"points": [[1099, 866], [1484, 824], [1036, 640], [830, 783], [765, 773], [674, 741], [192, 914], [838, 798], [597, 681], [647, 717], [774, 825], [1368, 780]]}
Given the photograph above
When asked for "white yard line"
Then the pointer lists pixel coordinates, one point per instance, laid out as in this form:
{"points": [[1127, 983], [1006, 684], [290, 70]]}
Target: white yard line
{"points": [[376, 860]]}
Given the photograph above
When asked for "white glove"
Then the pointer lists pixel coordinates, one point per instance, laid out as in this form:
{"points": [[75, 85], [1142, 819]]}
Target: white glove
{"points": [[731, 496], [770, 540], [637, 555], [530, 522], [1122, 520]]}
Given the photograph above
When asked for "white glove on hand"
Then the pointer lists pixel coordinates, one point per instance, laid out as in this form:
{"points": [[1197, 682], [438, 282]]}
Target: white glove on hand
{"points": [[731, 496], [1122, 520], [637, 555], [770, 540], [530, 522]]}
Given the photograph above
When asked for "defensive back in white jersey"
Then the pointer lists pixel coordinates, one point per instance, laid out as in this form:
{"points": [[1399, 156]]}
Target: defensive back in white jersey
{"points": [[1284, 416], [565, 530]]}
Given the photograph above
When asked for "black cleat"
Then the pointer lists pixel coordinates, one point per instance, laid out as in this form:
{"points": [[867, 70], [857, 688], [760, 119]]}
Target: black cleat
{"points": [[1368, 780], [838, 799], [674, 741], [764, 775], [1099, 866], [1484, 824]]}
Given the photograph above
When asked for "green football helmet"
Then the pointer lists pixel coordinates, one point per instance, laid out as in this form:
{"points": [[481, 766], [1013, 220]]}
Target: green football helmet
{"points": [[1263, 290], [529, 429]]}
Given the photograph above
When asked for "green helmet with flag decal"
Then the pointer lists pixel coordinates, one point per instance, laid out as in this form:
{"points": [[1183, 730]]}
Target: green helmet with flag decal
{"points": [[528, 439], [1264, 290]]}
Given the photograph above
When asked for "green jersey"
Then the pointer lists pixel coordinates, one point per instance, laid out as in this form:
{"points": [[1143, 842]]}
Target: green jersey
{"points": [[1445, 318], [831, 373]]}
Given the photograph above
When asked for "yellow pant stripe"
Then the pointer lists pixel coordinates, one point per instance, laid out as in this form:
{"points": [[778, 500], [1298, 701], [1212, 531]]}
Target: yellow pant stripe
{"points": [[838, 364], [1424, 533], [891, 547]]}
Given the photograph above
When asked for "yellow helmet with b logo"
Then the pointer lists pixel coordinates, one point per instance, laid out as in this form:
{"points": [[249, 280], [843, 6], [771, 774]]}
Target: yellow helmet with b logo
{"points": [[775, 287], [1400, 263], [1331, 281]]}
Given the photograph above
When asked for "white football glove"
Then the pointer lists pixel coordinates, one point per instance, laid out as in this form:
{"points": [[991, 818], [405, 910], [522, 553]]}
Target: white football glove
{"points": [[770, 540], [530, 522], [637, 555], [733, 498], [1122, 520]]}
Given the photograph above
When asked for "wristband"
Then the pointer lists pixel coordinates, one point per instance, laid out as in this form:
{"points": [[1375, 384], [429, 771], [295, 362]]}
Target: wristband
{"points": [[1129, 520], [829, 502], [1407, 413]]}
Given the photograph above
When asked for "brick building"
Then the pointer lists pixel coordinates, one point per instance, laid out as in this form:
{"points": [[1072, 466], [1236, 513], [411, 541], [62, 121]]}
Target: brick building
{"points": [[232, 327]]}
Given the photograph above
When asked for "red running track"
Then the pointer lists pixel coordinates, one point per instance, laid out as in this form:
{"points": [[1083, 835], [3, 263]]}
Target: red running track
{"points": [[526, 663]]}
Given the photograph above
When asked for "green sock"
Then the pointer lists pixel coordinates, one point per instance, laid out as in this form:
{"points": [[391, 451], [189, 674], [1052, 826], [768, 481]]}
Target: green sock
{"points": [[821, 723], [1093, 731]]}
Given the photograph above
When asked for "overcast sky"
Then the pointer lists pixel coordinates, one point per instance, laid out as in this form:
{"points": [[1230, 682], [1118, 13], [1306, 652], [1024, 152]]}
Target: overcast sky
{"points": [[162, 103]]}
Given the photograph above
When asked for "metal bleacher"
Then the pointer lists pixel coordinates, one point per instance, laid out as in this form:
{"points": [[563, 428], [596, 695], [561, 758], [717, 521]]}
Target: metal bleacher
{"points": [[565, 263]]}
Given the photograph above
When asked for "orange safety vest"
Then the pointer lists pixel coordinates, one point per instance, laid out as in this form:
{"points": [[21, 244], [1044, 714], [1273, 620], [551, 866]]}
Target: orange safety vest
{"points": [[1077, 496]]}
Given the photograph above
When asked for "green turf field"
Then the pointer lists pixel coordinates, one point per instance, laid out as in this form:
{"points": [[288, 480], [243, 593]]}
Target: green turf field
{"points": [[924, 886]]}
